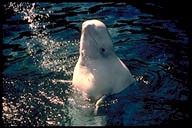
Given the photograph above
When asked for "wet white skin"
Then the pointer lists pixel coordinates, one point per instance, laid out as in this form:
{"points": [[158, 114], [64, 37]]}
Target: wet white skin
{"points": [[99, 71]]}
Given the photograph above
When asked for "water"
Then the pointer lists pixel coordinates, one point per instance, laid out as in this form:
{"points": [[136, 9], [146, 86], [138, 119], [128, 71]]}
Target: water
{"points": [[41, 42]]}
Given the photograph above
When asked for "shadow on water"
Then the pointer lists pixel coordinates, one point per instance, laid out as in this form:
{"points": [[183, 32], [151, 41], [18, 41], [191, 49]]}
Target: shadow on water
{"points": [[41, 42]]}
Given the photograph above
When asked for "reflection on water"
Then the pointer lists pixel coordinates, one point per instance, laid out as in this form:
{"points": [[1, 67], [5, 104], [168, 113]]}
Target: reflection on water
{"points": [[41, 42]]}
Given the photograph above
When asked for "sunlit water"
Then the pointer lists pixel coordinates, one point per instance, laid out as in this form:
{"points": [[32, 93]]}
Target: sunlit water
{"points": [[41, 43]]}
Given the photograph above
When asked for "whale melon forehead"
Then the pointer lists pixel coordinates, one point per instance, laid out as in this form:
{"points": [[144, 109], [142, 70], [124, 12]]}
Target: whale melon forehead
{"points": [[95, 23]]}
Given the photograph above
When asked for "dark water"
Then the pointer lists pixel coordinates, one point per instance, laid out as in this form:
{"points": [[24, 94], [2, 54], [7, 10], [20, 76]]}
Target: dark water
{"points": [[41, 42]]}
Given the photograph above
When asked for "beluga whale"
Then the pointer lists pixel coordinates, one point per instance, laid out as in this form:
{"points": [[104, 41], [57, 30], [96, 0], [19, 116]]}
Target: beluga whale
{"points": [[98, 71]]}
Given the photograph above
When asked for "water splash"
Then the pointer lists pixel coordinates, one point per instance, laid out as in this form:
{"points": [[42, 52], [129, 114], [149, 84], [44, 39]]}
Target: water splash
{"points": [[47, 53], [49, 56]]}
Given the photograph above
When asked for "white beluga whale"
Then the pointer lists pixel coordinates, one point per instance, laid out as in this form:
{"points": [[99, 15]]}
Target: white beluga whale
{"points": [[98, 71]]}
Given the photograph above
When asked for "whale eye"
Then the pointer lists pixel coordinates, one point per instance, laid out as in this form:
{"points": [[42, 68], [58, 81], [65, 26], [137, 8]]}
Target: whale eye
{"points": [[102, 50]]}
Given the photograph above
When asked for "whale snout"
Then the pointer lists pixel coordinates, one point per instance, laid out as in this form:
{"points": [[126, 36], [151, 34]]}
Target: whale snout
{"points": [[86, 26]]}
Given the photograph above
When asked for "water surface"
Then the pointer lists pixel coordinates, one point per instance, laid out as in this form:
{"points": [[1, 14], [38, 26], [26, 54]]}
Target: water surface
{"points": [[41, 43]]}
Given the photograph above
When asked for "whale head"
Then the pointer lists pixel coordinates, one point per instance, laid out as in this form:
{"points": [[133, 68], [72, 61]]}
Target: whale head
{"points": [[95, 40]]}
